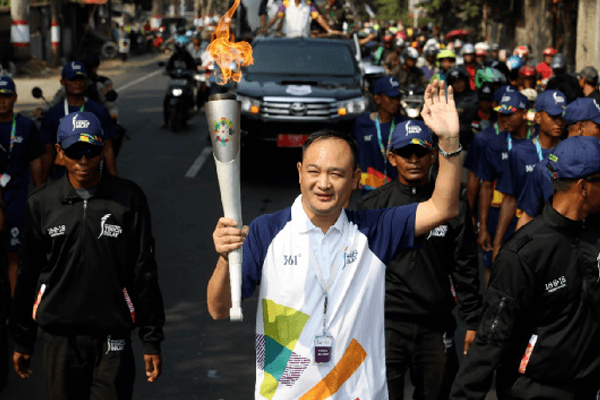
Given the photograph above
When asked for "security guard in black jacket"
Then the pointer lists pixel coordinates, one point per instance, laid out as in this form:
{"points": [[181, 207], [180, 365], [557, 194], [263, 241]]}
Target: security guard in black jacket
{"points": [[87, 275], [541, 319], [423, 286]]}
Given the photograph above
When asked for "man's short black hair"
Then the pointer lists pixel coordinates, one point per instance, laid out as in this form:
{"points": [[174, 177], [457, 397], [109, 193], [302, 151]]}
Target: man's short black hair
{"points": [[562, 185], [332, 134]]}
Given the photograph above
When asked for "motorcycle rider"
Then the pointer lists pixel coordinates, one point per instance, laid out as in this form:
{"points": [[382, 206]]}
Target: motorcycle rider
{"points": [[180, 60], [407, 72], [563, 81], [588, 81], [469, 63], [445, 60], [543, 68], [430, 68], [528, 77]]}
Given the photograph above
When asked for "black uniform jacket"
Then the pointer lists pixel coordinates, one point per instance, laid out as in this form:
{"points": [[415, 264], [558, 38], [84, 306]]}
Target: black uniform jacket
{"points": [[420, 282], [83, 260], [545, 282]]}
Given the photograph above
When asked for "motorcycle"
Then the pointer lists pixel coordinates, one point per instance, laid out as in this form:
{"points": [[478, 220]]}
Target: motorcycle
{"points": [[179, 100], [412, 101]]}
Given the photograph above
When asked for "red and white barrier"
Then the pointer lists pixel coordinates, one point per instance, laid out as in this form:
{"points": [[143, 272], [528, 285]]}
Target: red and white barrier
{"points": [[19, 33]]}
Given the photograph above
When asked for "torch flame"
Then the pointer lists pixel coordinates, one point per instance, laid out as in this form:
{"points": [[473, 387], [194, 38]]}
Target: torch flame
{"points": [[226, 53]]}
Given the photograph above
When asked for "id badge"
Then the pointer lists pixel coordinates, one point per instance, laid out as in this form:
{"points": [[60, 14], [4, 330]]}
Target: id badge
{"points": [[4, 180], [323, 346]]}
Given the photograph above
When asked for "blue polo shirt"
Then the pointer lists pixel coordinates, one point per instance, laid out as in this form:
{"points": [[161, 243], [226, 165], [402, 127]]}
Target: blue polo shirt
{"points": [[26, 148], [476, 149], [538, 189], [375, 169], [521, 163]]}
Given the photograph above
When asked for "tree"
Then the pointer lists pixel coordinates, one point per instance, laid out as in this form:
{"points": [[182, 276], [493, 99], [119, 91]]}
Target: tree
{"points": [[391, 9], [456, 14]]}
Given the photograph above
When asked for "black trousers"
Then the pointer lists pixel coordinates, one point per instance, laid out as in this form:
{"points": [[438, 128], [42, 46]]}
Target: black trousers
{"points": [[527, 389], [429, 354], [88, 367]]}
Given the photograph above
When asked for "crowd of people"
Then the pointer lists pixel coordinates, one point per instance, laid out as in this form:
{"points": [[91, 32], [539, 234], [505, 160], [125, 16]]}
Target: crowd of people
{"points": [[503, 162], [527, 135]]}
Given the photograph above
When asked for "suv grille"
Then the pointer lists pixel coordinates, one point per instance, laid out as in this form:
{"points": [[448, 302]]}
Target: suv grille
{"points": [[290, 108]]}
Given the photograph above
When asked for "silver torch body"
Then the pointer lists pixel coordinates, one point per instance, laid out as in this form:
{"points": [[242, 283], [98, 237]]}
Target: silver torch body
{"points": [[223, 118]]}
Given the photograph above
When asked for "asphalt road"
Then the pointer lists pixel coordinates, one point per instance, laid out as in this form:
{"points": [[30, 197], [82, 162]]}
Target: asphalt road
{"points": [[203, 359]]}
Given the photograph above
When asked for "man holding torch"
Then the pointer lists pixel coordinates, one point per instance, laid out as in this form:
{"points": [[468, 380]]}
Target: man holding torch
{"points": [[321, 269]]}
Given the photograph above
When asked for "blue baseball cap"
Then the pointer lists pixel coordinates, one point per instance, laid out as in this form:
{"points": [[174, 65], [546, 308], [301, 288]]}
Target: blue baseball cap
{"points": [[511, 102], [582, 109], [412, 132], [7, 85], [80, 127], [387, 85], [504, 89], [575, 157], [551, 101], [72, 69]]}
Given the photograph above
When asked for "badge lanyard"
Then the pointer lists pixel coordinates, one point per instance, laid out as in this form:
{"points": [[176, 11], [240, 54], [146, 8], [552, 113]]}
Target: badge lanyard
{"points": [[509, 139], [67, 107], [324, 342], [5, 178], [538, 148], [384, 149], [325, 285], [13, 135]]}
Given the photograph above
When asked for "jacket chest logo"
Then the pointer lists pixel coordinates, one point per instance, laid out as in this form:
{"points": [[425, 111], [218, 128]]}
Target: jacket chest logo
{"points": [[57, 231], [109, 230], [556, 284]]}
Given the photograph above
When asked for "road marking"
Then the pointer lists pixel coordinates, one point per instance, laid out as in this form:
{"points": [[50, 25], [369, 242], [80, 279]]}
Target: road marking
{"points": [[197, 165], [143, 78]]}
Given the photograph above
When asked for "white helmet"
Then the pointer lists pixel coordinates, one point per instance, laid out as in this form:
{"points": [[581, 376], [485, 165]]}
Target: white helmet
{"points": [[482, 46], [468, 48]]}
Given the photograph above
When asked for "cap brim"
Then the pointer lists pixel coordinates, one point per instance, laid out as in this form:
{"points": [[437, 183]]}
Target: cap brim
{"points": [[414, 142], [75, 75], [554, 111], [71, 140], [502, 110]]}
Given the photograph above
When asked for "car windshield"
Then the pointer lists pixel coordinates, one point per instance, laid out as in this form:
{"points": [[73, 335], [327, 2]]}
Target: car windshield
{"points": [[303, 59]]}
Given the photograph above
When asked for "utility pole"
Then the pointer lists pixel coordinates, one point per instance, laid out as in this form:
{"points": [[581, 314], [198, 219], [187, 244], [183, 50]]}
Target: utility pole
{"points": [[55, 31], [158, 10], [19, 30]]}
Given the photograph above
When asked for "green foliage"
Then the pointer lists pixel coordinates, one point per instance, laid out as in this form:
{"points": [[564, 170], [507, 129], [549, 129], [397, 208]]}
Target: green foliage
{"points": [[4, 3], [465, 13], [391, 9]]}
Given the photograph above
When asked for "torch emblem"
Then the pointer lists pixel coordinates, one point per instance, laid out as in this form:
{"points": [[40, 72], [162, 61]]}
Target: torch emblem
{"points": [[223, 131]]}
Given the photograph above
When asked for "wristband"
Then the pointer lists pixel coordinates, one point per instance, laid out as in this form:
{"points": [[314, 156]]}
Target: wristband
{"points": [[452, 154]]}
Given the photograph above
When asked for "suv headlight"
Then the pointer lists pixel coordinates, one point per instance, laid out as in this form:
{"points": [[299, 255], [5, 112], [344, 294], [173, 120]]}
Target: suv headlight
{"points": [[353, 106], [249, 105]]}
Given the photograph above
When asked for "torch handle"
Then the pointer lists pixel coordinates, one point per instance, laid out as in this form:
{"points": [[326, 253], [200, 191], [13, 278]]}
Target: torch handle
{"points": [[228, 174], [235, 281]]}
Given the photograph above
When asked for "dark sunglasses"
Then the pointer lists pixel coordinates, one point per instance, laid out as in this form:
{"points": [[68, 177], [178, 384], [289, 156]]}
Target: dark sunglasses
{"points": [[592, 178], [408, 151], [76, 151]]}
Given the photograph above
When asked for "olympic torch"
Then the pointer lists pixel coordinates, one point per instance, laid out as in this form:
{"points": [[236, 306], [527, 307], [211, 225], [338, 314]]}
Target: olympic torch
{"points": [[223, 117]]}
